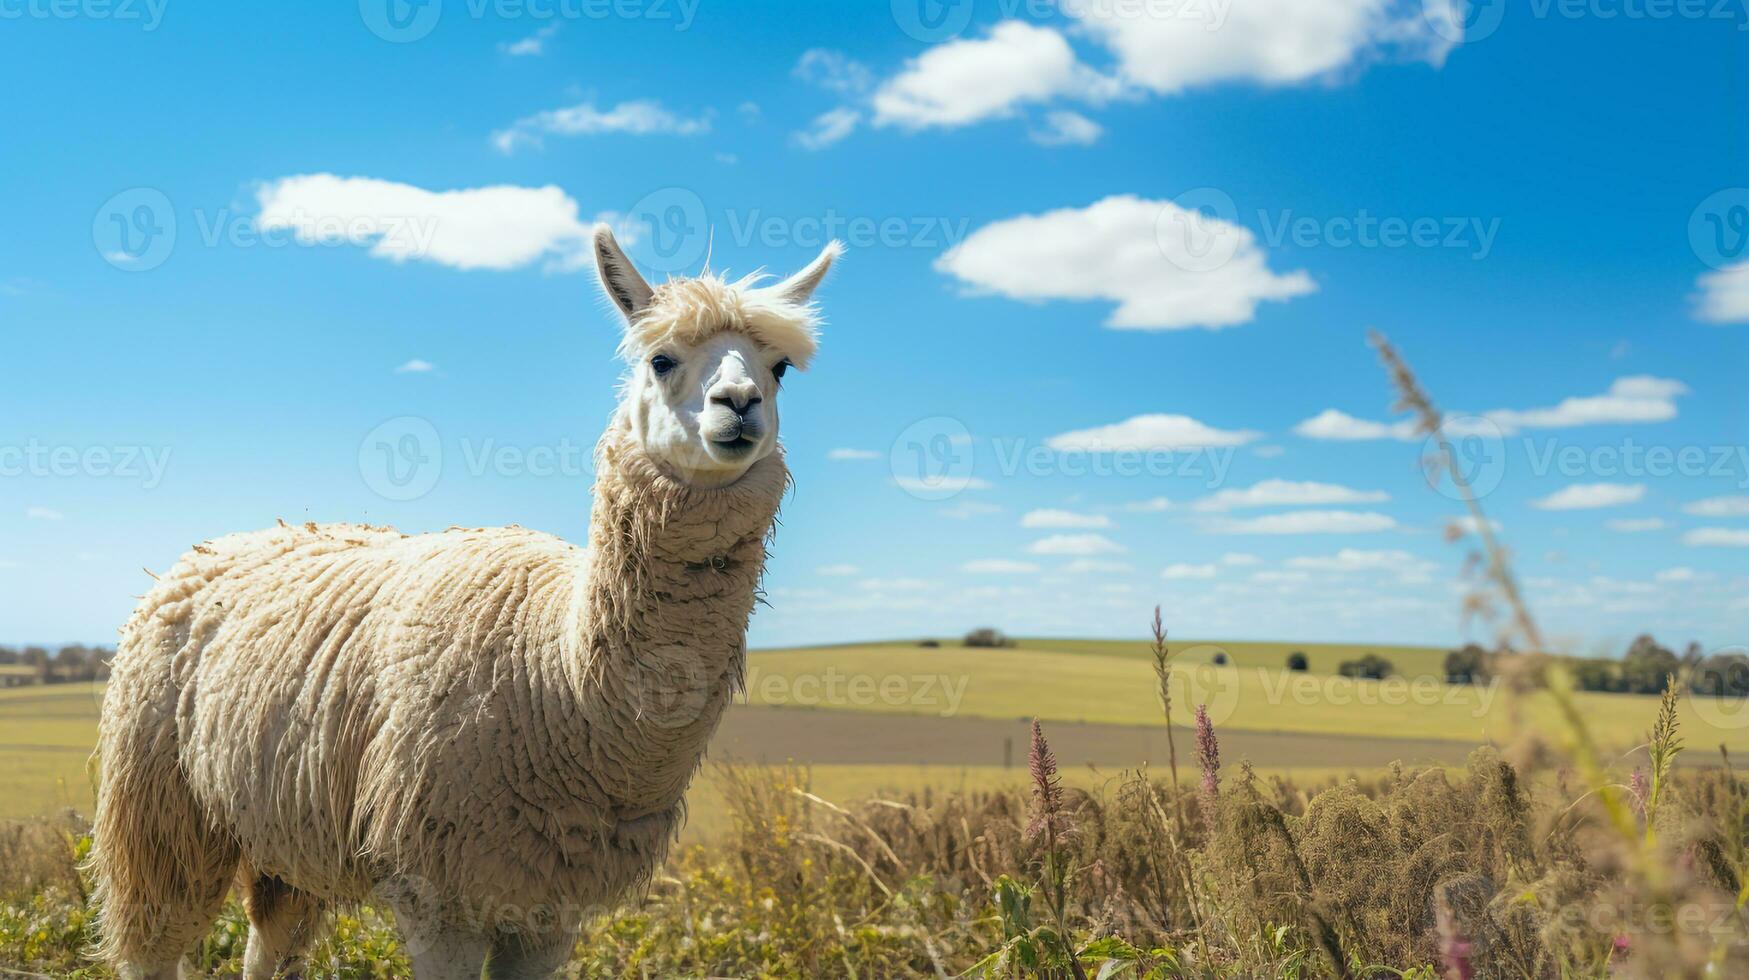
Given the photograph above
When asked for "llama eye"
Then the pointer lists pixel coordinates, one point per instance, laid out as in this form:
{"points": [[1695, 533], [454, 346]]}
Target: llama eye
{"points": [[778, 369], [661, 364]]}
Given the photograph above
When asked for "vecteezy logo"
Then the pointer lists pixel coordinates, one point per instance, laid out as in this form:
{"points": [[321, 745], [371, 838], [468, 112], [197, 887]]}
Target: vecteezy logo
{"points": [[930, 21], [1718, 229], [1477, 456], [1459, 21], [933, 458], [1198, 230], [401, 459], [1719, 691], [669, 229], [400, 21], [135, 230]]}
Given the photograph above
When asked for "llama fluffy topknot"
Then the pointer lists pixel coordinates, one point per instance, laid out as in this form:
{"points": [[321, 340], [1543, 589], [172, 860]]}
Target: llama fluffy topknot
{"points": [[688, 311]]}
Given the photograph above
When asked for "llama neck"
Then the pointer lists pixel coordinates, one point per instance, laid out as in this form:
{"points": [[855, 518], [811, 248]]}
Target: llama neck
{"points": [[660, 618]]}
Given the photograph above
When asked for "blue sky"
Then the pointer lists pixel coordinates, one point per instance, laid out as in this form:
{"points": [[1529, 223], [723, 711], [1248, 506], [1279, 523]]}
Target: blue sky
{"points": [[1111, 269]]}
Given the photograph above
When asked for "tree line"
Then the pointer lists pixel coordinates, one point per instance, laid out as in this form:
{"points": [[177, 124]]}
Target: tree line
{"points": [[73, 662], [1644, 669]]}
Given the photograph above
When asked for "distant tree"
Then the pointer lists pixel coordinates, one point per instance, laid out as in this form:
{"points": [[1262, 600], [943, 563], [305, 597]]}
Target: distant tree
{"points": [[1722, 675], [1646, 666], [1297, 661], [1693, 655], [986, 637], [930, 643], [1220, 660], [1595, 675], [8, 656], [39, 658], [1467, 666], [1371, 666]]}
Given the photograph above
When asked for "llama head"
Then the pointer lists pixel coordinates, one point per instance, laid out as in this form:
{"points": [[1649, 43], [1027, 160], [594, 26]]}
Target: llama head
{"points": [[707, 358]]}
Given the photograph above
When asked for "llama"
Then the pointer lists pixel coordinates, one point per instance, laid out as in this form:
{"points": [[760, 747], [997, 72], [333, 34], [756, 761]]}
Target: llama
{"points": [[490, 731]]}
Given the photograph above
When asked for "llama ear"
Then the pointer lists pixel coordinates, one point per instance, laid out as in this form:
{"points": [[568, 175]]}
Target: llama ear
{"points": [[799, 288], [619, 278]]}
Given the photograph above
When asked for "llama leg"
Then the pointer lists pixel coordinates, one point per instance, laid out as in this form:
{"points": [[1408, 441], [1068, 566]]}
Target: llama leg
{"points": [[282, 921], [516, 958], [161, 866]]}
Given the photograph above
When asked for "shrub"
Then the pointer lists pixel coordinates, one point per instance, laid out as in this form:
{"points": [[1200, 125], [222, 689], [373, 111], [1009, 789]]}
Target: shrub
{"points": [[1298, 661], [1371, 666], [1467, 666], [987, 637]]}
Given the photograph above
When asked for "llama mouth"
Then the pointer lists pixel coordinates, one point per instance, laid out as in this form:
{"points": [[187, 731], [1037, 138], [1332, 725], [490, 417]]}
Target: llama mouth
{"points": [[735, 446]]}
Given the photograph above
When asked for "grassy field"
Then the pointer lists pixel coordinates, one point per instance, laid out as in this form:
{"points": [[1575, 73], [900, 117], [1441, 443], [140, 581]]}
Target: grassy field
{"points": [[1079, 684]]}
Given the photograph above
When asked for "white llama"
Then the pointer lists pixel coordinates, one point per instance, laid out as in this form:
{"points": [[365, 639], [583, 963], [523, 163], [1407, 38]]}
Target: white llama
{"points": [[488, 730]]}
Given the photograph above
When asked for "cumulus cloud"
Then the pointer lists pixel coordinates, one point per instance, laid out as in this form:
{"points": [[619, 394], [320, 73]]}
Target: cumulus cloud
{"points": [[1238, 559], [1063, 519], [532, 45], [998, 566], [1267, 42], [837, 571], [1717, 537], [1064, 128], [1591, 496], [1275, 493], [968, 80], [828, 127], [1635, 399], [852, 454], [1075, 544], [1114, 250], [833, 71], [1308, 522], [637, 117], [416, 366], [1724, 295], [1150, 433], [1729, 506], [1183, 571], [499, 227], [1636, 525], [1153, 505]]}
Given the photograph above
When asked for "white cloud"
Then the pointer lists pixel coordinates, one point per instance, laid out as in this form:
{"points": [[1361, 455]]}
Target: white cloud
{"points": [[499, 227], [967, 80], [1113, 250], [897, 585], [637, 117], [1182, 571], [852, 454], [1065, 128], [837, 571], [1724, 295], [1678, 574], [532, 45], [1591, 496], [828, 127], [1356, 560], [1340, 426], [43, 514], [1086, 566], [1636, 525], [1275, 493], [998, 566], [416, 366], [1075, 544], [1308, 522], [1238, 559], [1460, 526], [1269, 42], [833, 71], [1063, 518], [1717, 537], [1153, 505], [1635, 399], [1149, 433], [1737, 506]]}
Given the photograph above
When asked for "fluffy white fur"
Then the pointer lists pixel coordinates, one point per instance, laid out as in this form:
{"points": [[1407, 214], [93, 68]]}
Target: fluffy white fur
{"points": [[489, 730]]}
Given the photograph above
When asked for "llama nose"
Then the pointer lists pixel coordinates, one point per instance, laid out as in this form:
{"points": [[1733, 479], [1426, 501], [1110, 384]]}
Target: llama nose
{"points": [[738, 398]]}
